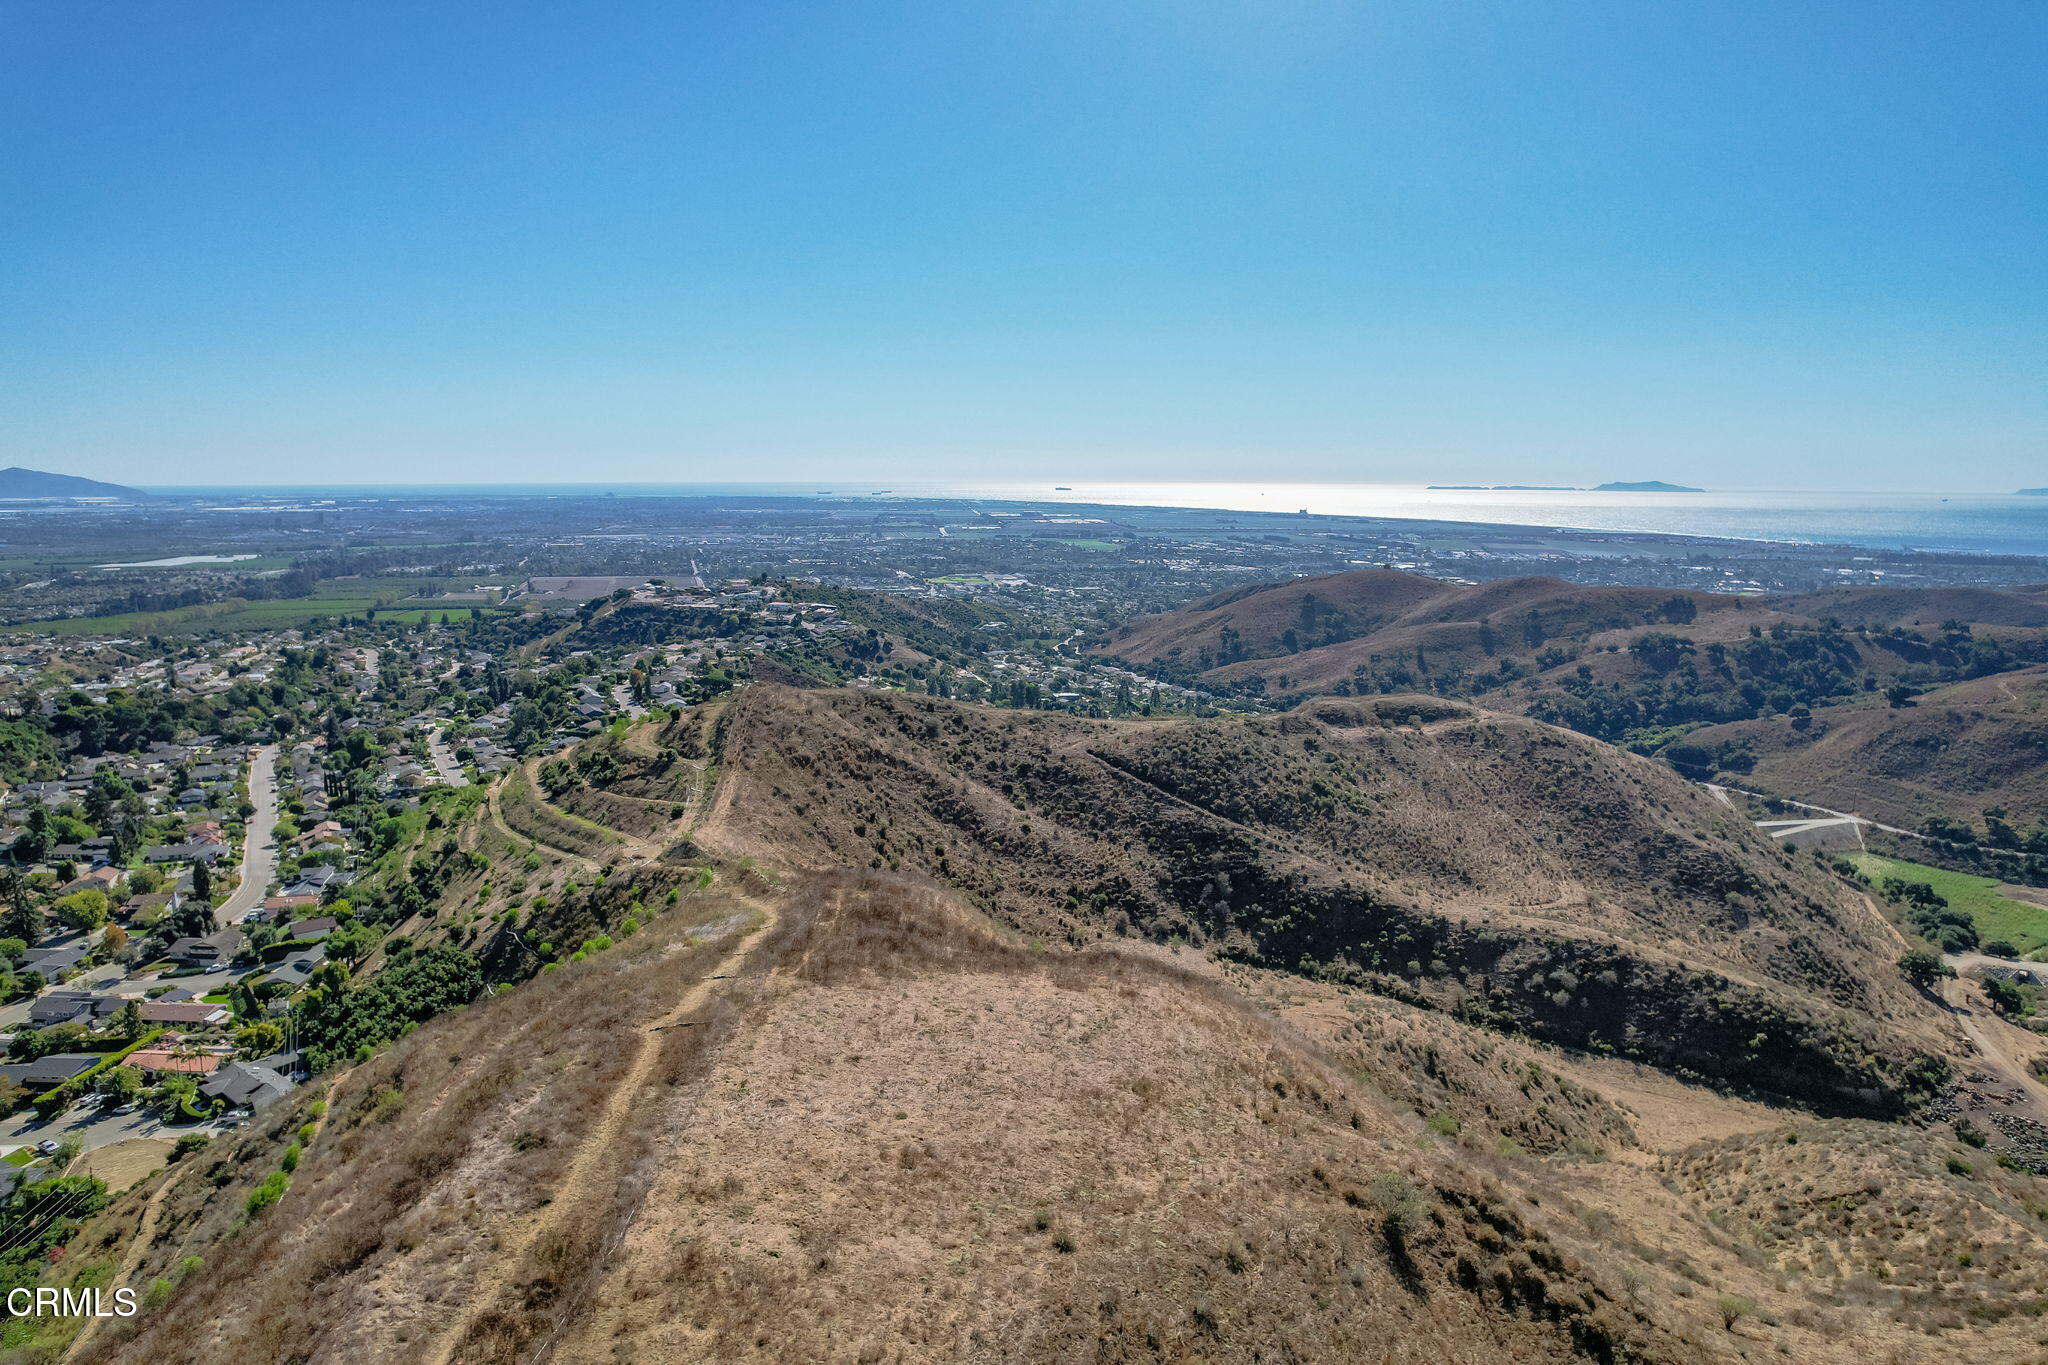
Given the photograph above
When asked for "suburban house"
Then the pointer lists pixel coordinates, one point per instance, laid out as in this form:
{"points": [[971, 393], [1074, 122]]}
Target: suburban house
{"points": [[184, 853], [209, 951], [296, 970], [187, 1012], [99, 879], [245, 1084], [54, 1069], [51, 961], [166, 1060], [147, 908], [71, 1007]]}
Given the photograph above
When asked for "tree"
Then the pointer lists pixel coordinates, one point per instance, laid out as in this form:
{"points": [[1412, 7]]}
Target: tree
{"points": [[35, 838], [118, 1083], [84, 910], [192, 919], [202, 882], [21, 917], [2006, 997], [259, 1040], [128, 1021], [1923, 969], [1733, 1308]]}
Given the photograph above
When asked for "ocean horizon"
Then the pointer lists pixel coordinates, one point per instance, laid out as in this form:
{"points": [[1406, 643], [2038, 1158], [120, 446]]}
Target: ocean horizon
{"points": [[1966, 523]]}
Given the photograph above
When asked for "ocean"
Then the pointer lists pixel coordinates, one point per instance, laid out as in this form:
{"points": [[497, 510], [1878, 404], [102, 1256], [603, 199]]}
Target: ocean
{"points": [[1969, 523]]}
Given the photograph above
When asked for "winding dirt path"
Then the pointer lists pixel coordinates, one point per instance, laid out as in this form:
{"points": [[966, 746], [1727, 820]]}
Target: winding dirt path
{"points": [[601, 1145], [137, 1245], [2033, 1095]]}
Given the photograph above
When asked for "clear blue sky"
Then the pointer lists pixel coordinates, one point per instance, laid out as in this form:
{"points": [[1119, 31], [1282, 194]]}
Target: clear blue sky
{"points": [[1772, 244]]}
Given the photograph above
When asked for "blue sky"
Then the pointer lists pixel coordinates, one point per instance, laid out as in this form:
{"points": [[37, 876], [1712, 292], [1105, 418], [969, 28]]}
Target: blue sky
{"points": [[1744, 245]]}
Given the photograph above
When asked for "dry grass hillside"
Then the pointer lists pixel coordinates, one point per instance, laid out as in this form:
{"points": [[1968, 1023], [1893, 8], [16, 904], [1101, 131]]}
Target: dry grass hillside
{"points": [[1955, 751], [1609, 661], [815, 1109], [1514, 874], [854, 1158], [894, 1132], [1885, 607], [1323, 627]]}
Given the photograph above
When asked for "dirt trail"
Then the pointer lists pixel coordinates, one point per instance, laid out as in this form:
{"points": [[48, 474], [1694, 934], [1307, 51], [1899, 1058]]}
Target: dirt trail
{"points": [[137, 1245], [2033, 1101], [601, 1145]]}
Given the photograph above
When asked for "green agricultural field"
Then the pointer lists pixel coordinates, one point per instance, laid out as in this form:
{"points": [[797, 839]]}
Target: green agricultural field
{"points": [[334, 597], [1996, 916]]}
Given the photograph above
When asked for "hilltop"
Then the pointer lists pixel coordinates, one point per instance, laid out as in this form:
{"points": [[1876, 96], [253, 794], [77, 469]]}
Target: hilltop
{"points": [[1486, 863], [16, 482]]}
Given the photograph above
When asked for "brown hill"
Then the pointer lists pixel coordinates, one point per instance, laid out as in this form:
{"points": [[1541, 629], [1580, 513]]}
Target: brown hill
{"points": [[844, 1115], [894, 1133], [1488, 864], [1956, 751], [1629, 665], [979, 1152], [1880, 608], [1324, 626]]}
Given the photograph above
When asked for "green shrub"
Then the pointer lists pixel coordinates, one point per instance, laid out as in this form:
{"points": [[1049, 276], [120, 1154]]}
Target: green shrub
{"points": [[269, 1192]]}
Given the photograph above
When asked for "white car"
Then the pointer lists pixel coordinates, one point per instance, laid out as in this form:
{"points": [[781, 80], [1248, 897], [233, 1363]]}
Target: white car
{"points": [[47, 1146]]}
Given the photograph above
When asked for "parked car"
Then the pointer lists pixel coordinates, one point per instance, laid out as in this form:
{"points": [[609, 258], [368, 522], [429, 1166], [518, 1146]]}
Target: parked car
{"points": [[125, 1109], [47, 1146]]}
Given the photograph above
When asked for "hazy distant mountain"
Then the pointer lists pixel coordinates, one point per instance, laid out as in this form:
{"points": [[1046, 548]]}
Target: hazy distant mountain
{"points": [[2034, 492], [16, 482], [1646, 486]]}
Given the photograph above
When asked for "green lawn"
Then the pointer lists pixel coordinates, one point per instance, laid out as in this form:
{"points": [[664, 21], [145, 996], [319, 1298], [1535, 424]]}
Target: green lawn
{"points": [[1996, 916], [20, 1156]]}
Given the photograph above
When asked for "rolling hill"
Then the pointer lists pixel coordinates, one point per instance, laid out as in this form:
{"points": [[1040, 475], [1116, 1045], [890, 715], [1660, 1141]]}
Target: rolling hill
{"points": [[923, 1032], [1956, 751], [1483, 863]]}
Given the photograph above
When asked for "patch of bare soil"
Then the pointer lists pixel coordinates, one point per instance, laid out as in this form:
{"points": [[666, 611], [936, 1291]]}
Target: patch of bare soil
{"points": [[123, 1163]]}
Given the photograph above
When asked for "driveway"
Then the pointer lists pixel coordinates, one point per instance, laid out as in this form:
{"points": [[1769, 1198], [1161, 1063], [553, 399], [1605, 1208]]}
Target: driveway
{"points": [[259, 863]]}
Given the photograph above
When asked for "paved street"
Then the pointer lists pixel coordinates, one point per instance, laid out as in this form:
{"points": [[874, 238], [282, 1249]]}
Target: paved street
{"points": [[92, 1127], [259, 863], [445, 767]]}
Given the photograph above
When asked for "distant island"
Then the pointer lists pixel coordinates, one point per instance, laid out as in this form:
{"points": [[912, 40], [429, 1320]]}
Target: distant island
{"points": [[1646, 486], [2034, 492], [16, 482]]}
